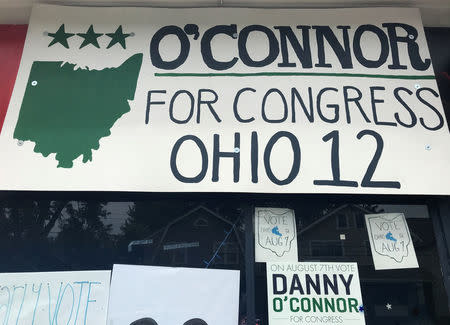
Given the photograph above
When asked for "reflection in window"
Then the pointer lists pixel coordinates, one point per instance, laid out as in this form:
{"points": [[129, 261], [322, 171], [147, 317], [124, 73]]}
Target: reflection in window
{"points": [[228, 253], [179, 256], [367, 248], [342, 221], [326, 248], [359, 220], [201, 222]]}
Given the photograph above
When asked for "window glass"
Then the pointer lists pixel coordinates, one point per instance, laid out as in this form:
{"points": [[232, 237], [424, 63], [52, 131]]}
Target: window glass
{"points": [[89, 234], [342, 221], [359, 220], [42, 233], [416, 296], [322, 248]]}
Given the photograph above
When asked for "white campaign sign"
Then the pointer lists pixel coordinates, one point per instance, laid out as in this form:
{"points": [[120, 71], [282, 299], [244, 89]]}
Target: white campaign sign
{"points": [[226, 100], [149, 295], [275, 235], [76, 298], [314, 293], [390, 241]]}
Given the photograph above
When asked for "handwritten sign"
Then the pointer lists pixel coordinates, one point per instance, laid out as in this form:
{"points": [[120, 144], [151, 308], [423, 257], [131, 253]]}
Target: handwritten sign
{"points": [[149, 295], [275, 235], [390, 241], [314, 293], [226, 100], [77, 298]]}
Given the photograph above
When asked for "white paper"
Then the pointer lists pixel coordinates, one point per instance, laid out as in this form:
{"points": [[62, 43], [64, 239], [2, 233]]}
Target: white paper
{"points": [[390, 241], [275, 235], [173, 296], [76, 298], [310, 293]]}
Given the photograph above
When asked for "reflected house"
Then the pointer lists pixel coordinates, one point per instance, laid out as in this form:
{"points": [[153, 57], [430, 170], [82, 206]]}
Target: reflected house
{"points": [[338, 235], [341, 236], [192, 239]]}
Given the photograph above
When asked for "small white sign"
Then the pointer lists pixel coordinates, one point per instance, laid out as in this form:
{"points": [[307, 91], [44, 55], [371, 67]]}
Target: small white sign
{"points": [[181, 245], [311, 293], [390, 241], [173, 296], [139, 242], [275, 235], [75, 298]]}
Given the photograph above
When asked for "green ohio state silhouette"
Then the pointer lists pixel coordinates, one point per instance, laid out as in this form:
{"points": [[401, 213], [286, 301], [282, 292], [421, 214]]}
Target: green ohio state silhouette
{"points": [[67, 111]]}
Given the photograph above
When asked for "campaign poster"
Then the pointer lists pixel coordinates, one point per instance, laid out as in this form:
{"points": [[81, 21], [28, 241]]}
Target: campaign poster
{"points": [[314, 293], [51, 298], [226, 100], [275, 235], [390, 241]]}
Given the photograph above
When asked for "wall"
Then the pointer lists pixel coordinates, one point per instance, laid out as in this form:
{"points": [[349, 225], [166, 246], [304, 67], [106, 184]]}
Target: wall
{"points": [[12, 38]]}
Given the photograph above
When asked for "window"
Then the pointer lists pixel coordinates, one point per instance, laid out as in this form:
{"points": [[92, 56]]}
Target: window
{"points": [[179, 256], [359, 220], [228, 253], [169, 230], [200, 222], [342, 221], [327, 248], [367, 248]]}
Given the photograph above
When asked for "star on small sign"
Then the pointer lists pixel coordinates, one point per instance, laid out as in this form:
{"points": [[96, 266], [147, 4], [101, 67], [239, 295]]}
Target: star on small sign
{"points": [[117, 37], [361, 309], [388, 306], [90, 37], [60, 37]]}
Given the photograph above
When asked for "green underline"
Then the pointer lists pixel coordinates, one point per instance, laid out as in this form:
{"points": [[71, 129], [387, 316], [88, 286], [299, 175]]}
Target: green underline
{"points": [[294, 74]]}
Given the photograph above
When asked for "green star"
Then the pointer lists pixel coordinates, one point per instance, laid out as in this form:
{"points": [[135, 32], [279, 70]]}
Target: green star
{"points": [[60, 37], [118, 37], [90, 37]]}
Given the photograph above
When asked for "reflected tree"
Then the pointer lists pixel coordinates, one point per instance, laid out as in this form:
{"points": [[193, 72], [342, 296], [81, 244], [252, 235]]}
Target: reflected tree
{"points": [[145, 217], [27, 220], [26, 228], [85, 239]]}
